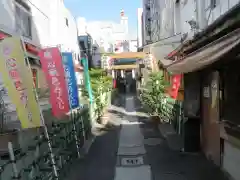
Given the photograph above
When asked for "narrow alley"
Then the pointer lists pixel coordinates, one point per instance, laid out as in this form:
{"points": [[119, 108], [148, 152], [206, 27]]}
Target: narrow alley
{"points": [[135, 149]]}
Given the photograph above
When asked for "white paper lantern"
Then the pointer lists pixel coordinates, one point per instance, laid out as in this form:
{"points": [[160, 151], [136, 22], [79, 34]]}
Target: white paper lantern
{"points": [[113, 74], [122, 74], [133, 73]]}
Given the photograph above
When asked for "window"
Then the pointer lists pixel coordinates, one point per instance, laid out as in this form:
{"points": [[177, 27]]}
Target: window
{"points": [[23, 19], [66, 21]]}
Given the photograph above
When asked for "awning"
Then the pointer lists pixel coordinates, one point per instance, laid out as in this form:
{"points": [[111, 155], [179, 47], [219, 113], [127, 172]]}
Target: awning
{"points": [[125, 61], [128, 55], [119, 67], [162, 48], [206, 55], [3, 35]]}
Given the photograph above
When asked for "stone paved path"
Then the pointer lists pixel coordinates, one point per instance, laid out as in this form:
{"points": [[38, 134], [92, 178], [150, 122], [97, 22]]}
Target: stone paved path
{"points": [[137, 151]]}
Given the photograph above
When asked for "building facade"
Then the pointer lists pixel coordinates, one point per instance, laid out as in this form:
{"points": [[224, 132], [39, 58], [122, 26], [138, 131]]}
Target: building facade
{"points": [[186, 36], [197, 30], [146, 23], [133, 45], [139, 27], [107, 35], [86, 46], [40, 23], [31, 22], [163, 19]]}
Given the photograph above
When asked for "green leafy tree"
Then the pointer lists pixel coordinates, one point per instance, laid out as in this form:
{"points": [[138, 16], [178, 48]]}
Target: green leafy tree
{"points": [[101, 83], [153, 93]]}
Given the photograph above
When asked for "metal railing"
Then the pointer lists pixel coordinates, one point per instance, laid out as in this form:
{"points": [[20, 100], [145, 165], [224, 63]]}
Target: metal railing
{"points": [[32, 160], [172, 112]]}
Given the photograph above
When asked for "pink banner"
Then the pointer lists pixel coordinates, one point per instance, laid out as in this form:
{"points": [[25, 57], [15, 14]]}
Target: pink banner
{"points": [[52, 66]]}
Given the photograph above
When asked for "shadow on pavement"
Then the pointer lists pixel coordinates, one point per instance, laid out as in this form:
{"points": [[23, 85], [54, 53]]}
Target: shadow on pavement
{"points": [[168, 164], [100, 161]]}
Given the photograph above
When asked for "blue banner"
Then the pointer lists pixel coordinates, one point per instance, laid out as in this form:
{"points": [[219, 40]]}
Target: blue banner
{"points": [[71, 80], [87, 78]]}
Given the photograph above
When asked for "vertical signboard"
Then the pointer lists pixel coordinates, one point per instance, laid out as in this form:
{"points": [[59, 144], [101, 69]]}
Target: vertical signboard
{"points": [[17, 78], [87, 78], [71, 81], [53, 68], [176, 82]]}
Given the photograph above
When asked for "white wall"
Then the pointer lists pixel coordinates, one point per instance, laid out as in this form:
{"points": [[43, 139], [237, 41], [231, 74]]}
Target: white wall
{"points": [[82, 25], [104, 33], [69, 35], [40, 20], [133, 45], [63, 35], [7, 23], [140, 27], [124, 23]]}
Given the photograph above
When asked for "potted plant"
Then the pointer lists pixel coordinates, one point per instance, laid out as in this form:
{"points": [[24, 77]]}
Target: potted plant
{"points": [[153, 94]]}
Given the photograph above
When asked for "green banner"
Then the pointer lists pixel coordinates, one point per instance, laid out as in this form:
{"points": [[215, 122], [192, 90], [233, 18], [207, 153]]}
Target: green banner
{"points": [[87, 78]]}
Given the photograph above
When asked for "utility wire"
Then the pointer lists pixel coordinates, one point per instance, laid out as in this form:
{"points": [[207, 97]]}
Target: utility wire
{"points": [[38, 9]]}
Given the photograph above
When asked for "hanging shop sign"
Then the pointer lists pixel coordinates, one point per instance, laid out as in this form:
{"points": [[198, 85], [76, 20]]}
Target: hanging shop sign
{"points": [[32, 49], [71, 81], [53, 68], [176, 82], [3, 35], [19, 83]]}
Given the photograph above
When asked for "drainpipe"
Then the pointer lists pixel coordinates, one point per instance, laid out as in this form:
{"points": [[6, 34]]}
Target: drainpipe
{"points": [[201, 15]]}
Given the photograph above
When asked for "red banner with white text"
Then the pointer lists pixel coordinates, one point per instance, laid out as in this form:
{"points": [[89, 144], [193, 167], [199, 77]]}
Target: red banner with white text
{"points": [[52, 66], [176, 82]]}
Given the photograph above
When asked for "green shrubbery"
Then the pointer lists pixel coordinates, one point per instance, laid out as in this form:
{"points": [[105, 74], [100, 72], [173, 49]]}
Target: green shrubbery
{"points": [[153, 93], [101, 84]]}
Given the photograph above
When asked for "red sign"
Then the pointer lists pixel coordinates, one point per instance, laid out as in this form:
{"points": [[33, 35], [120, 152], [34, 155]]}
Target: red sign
{"points": [[176, 82], [114, 83], [53, 68], [3, 35], [32, 49]]}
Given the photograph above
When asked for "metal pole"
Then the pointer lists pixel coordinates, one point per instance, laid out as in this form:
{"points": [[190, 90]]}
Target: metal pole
{"points": [[75, 132], [42, 119], [13, 161]]}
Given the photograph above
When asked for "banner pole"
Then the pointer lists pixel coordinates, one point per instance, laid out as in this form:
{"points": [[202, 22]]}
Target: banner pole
{"points": [[42, 118]]}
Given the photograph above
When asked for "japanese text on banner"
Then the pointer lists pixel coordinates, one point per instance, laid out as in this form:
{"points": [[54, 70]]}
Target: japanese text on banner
{"points": [[18, 80], [52, 66], [70, 80]]}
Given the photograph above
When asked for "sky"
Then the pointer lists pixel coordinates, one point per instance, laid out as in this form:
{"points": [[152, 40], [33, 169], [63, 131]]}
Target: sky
{"points": [[106, 10]]}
